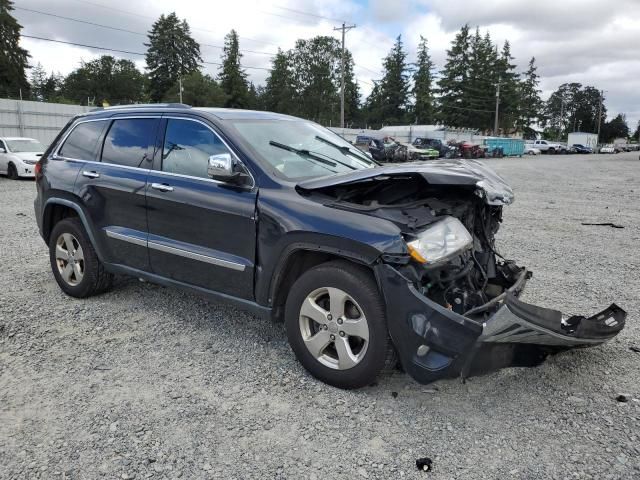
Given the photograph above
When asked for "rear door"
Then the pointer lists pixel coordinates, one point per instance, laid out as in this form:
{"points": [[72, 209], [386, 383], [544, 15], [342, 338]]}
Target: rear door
{"points": [[201, 231], [113, 189]]}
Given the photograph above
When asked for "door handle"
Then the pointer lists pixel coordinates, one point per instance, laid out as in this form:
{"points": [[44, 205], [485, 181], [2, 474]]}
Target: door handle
{"points": [[163, 187], [90, 174]]}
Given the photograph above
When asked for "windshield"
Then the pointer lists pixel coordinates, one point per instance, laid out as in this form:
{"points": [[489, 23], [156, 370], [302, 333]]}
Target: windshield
{"points": [[300, 149], [25, 145]]}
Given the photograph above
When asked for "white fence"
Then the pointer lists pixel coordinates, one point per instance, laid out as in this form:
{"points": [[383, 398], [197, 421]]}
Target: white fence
{"points": [[408, 133], [39, 120]]}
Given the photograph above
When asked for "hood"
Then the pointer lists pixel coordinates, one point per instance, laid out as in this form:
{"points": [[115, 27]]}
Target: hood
{"points": [[493, 188], [28, 155]]}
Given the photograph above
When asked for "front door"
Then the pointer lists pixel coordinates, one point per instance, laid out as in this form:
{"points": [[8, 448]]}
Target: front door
{"points": [[201, 231]]}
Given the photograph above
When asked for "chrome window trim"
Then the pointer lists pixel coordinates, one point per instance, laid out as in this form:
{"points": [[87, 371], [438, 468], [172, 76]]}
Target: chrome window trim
{"points": [[93, 162], [191, 119], [196, 256]]}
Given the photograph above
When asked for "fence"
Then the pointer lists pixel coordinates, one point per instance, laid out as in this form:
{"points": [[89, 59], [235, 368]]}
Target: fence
{"points": [[39, 120], [408, 133]]}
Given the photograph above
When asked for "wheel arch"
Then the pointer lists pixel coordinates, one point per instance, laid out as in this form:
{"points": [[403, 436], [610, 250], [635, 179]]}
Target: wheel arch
{"points": [[56, 209], [299, 259]]}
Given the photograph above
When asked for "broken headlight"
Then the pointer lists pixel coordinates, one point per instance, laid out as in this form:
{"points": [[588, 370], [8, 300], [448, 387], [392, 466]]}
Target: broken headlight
{"points": [[442, 240]]}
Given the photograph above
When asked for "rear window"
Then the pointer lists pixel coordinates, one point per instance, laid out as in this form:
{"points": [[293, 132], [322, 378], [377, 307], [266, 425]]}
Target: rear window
{"points": [[82, 142], [130, 141]]}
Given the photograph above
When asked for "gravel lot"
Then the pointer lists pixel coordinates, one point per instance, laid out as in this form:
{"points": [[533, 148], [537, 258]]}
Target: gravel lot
{"points": [[148, 382]]}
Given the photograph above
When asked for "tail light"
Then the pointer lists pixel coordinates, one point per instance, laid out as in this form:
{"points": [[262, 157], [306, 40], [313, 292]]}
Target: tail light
{"points": [[38, 168]]}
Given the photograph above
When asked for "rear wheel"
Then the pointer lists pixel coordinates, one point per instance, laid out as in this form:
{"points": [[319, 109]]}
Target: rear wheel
{"points": [[336, 325], [12, 172], [551, 151], [74, 261]]}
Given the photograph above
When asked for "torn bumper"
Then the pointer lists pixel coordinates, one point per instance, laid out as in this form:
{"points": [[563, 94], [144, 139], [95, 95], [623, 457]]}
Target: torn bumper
{"points": [[434, 342]]}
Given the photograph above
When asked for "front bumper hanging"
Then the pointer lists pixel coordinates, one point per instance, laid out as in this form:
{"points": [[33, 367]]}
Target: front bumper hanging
{"points": [[434, 342]]}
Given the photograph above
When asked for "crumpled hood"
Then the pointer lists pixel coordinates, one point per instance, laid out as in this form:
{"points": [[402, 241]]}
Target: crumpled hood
{"points": [[491, 186]]}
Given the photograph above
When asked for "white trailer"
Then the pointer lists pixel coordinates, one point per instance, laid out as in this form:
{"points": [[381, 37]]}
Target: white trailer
{"points": [[583, 138]]}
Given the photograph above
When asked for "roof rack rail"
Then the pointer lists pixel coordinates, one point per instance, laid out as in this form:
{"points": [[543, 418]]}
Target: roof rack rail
{"points": [[145, 105]]}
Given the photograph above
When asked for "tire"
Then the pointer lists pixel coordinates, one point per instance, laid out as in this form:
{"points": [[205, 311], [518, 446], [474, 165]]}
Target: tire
{"points": [[551, 151], [12, 172], [87, 276], [359, 364]]}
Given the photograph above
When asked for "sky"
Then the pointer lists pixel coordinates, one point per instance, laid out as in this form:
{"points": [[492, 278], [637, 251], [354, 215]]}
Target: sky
{"points": [[593, 42]]}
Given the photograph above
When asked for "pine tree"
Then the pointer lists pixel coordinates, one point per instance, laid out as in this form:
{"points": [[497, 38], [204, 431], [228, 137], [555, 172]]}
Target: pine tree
{"points": [[280, 91], [232, 78], [37, 81], [424, 108], [509, 90], [530, 102], [198, 90], [373, 107], [454, 103], [351, 91], [394, 86], [14, 60], [171, 53]]}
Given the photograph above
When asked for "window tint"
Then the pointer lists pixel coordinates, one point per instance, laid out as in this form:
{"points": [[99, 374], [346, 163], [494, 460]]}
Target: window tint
{"points": [[81, 143], [129, 141], [188, 146]]}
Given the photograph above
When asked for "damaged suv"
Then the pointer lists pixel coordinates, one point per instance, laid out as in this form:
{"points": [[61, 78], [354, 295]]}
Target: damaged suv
{"points": [[364, 263]]}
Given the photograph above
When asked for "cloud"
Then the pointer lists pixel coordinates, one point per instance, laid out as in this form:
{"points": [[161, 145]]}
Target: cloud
{"points": [[587, 41]]}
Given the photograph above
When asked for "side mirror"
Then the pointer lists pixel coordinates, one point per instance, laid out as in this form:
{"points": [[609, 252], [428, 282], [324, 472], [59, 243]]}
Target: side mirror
{"points": [[220, 167]]}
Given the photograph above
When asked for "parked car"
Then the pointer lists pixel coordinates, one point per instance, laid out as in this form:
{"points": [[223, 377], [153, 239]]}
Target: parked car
{"points": [[18, 156], [578, 148], [382, 149], [607, 149], [531, 150], [546, 146], [406, 152], [282, 217], [444, 150]]}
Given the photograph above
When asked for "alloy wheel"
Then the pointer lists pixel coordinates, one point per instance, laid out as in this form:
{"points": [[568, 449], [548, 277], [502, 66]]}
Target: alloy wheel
{"points": [[70, 259], [334, 328]]}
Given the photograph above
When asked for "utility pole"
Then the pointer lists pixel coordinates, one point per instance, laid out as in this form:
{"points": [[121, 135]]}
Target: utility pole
{"points": [[600, 115], [345, 28], [495, 124]]}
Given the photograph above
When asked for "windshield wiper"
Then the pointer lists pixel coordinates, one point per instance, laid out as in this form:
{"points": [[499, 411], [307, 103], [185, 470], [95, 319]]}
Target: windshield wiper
{"points": [[309, 154], [346, 150]]}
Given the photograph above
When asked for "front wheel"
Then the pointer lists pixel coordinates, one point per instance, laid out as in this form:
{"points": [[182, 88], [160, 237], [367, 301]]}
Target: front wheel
{"points": [[12, 172], [336, 325]]}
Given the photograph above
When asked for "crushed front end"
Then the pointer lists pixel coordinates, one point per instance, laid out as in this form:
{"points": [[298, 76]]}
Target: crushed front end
{"points": [[453, 304]]}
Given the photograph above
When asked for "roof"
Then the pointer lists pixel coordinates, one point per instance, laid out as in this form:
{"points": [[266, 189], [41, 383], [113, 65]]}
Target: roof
{"points": [[220, 113], [18, 138]]}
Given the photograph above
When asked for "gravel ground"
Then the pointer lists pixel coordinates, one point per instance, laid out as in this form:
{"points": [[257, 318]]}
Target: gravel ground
{"points": [[148, 382]]}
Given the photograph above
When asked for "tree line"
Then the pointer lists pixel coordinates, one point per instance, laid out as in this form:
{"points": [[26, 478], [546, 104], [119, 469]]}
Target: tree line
{"points": [[305, 81]]}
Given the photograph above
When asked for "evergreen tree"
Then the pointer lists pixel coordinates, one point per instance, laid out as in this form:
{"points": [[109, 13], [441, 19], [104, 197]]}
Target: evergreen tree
{"points": [[394, 86], [232, 78], [37, 81], [351, 91], [171, 53], [454, 102], [479, 88], [530, 102], [280, 90], [509, 90], [573, 107], [52, 89], [424, 109], [636, 134], [14, 60], [616, 128], [373, 107], [198, 90]]}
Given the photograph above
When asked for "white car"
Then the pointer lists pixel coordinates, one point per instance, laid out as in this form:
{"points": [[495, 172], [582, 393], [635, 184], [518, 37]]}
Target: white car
{"points": [[607, 149], [18, 156], [531, 150]]}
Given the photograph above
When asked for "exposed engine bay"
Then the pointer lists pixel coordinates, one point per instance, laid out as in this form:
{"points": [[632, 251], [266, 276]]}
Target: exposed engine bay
{"points": [[466, 281]]}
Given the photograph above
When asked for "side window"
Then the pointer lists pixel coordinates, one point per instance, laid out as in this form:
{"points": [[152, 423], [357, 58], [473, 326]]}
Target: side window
{"points": [[82, 142], [130, 141], [188, 146], [2, 145]]}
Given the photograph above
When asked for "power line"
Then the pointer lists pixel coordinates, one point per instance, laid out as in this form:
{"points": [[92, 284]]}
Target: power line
{"points": [[123, 51], [124, 30], [308, 14]]}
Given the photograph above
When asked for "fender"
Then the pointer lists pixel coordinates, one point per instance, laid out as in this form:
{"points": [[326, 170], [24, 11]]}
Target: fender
{"points": [[83, 218]]}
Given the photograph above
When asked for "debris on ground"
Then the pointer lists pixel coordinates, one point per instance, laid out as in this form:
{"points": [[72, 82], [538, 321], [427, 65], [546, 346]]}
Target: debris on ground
{"points": [[633, 348], [394, 394], [424, 464], [623, 397], [605, 224]]}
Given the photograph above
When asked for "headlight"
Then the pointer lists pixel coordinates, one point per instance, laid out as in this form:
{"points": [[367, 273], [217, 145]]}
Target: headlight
{"points": [[442, 240]]}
